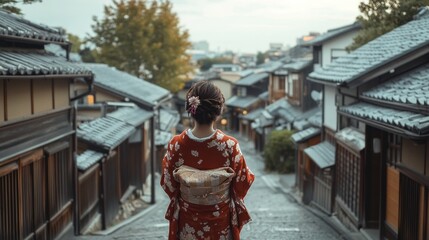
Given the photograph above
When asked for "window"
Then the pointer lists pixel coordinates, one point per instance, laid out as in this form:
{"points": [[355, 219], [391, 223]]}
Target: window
{"points": [[349, 122], [241, 91], [348, 178], [281, 83], [292, 84], [9, 222], [409, 208], [59, 186], [393, 149]]}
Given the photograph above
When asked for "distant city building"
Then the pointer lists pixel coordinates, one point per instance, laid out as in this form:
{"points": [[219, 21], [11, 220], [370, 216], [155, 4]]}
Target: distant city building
{"points": [[246, 60], [276, 46], [201, 45], [225, 68]]}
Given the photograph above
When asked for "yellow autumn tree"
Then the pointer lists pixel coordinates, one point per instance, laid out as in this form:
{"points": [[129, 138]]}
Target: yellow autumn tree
{"points": [[143, 39]]}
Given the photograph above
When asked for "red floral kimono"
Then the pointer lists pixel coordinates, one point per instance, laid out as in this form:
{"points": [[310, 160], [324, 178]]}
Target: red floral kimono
{"points": [[223, 220]]}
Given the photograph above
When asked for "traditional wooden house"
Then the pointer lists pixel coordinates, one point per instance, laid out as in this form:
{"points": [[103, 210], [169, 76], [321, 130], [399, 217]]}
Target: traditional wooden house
{"points": [[290, 82], [304, 139], [245, 99], [382, 148], [132, 110], [37, 132], [224, 80], [319, 161], [331, 45], [113, 153], [292, 101], [249, 94]]}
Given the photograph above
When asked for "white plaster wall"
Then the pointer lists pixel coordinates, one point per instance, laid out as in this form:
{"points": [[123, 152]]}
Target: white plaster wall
{"points": [[329, 108], [225, 87], [340, 42], [230, 76]]}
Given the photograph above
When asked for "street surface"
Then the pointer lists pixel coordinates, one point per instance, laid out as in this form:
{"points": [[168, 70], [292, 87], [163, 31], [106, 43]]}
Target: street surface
{"points": [[275, 214]]}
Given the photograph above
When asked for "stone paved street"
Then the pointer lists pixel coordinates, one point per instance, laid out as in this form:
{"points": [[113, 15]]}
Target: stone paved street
{"points": [[275, 214]]}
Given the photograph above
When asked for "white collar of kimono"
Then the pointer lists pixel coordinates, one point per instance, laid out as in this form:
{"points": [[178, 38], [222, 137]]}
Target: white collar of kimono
{"points": [[202, 139]]}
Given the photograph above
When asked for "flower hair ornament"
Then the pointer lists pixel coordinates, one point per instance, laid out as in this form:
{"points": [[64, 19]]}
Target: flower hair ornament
{"points": [[194, 102]]}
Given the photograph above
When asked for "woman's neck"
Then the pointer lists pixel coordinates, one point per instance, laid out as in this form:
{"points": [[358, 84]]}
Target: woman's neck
{"points": [[203, 130]]}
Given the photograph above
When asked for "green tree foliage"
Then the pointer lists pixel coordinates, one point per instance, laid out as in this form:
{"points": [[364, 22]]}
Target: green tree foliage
{"points": [[75, 41], [143, 39], [260, 57], [206, 63], [81, 47], [9, 5], [279, 152], [381, 16]]}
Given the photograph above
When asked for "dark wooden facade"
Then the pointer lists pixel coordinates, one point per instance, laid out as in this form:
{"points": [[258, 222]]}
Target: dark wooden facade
{"points": [[37, 171], [303, 140], [37, 133], [290, 82], [350, 179], [124, 166]]}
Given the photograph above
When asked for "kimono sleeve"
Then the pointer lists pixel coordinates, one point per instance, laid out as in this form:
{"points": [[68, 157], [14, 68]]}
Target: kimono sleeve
{"points": [[168, 183], [244, 176]]}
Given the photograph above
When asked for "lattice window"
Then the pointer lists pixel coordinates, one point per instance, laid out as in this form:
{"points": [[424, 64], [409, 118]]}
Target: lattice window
{"points": [[33, 175], [348, 178], [9, 211], [409, 208], [393, 149], [330, 136], [59, 187], [281, 83]]}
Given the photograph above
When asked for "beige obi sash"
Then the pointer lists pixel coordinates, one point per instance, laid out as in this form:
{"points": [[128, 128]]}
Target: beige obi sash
{"points": [[204, 187]]}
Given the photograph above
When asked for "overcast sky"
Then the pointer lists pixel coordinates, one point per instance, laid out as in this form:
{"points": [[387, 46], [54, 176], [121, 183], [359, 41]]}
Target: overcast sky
{"points": [[239, 25]]}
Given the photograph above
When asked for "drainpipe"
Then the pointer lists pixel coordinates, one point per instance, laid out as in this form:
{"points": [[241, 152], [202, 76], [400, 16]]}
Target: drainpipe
{"points": [[75, 177], [88, 82], [152, 161], [154, 122], [68, 50]]}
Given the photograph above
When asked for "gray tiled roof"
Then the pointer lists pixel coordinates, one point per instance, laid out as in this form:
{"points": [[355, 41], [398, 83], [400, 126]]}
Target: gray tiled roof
{"points": [[409, 88], [251, 116], [252, 79], [264, 96], [132, 115], [304, 135], [297, 65], [127, 85], [281, 103], [352, 138], [87, 159], [413, 122], [323, 154], [241, 102], [12, 25], [162, 137], [282, 108], [168, 119], [245, 73], [264, 119], [37, 62], [106, 132], [59, 51], [377, 53], [270, 66], [316, 119], [332, 33], [301, 124]]}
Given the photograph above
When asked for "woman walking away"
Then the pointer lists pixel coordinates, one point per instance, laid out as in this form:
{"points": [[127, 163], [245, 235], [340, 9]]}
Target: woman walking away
{"points": [[204, 174]]}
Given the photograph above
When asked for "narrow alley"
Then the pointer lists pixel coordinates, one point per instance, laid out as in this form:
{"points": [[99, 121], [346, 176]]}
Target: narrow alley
{"points": [[275, 214]]}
